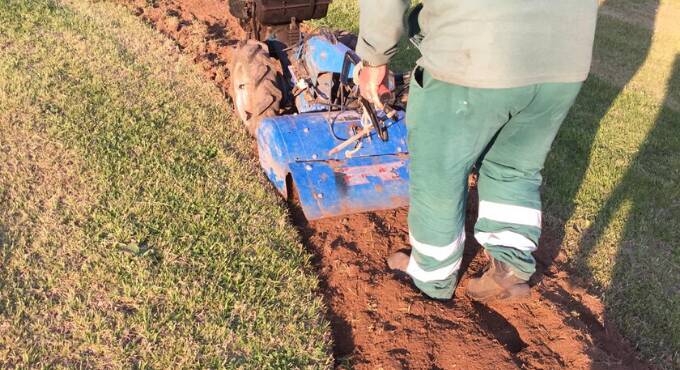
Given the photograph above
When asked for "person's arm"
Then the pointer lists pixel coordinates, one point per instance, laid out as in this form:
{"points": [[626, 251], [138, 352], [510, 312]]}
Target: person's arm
{"points": [[381, 25]]}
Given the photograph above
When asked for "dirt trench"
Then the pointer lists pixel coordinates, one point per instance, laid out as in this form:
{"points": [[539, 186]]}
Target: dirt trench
{"points": [[378, 319]]}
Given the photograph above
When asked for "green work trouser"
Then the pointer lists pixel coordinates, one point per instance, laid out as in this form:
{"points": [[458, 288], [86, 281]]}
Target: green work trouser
{"points": [[451, 128]]}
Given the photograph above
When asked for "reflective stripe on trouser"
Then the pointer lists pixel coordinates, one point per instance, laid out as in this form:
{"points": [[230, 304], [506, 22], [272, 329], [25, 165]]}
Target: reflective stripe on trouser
{"points": [[434, 268], [450, 127]]}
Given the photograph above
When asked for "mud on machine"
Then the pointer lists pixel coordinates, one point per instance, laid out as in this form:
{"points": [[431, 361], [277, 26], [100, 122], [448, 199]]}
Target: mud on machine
{"points": [[318, 140]]}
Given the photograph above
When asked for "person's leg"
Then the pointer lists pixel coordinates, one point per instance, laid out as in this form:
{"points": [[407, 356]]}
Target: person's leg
{"points": [[509, 221], [449, 126]]}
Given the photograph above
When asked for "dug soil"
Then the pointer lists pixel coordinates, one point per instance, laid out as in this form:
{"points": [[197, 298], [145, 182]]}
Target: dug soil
{"points": [[378, 319]]}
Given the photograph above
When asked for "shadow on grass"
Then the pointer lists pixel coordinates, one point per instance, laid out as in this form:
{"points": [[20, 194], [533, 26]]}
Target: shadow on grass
{"points": [[642, 297], [644, 285], [566, 167], [652, 167]]}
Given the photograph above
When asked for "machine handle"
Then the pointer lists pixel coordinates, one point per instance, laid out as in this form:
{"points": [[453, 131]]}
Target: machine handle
{"points": [[351, 58], [379, 125]]}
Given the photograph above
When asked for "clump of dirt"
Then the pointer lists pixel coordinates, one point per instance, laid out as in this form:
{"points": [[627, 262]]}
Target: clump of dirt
{"points": [[379, 319]]}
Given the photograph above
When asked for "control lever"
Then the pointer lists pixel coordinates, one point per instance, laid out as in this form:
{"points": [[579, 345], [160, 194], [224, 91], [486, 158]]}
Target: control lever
{"points": [[379, 125]]}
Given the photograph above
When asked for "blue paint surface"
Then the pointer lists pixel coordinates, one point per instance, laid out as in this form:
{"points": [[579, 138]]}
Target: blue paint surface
{"points": [[321, 55], [373, 177]]}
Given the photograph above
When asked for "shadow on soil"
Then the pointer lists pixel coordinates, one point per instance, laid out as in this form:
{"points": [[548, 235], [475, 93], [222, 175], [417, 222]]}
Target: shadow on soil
{"points": [[634, 239], [341, 330], [502, 330]]}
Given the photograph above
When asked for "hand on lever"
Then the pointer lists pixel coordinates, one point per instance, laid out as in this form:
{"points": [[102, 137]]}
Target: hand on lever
{"points": [[373, 84]]}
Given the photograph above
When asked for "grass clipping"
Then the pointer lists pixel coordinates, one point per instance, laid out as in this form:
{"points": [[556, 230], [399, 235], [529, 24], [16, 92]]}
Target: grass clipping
{"points": [[133, 229]]}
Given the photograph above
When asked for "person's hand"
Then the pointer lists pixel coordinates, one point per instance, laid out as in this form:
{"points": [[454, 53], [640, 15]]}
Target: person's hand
{"points": [[373, 83]]}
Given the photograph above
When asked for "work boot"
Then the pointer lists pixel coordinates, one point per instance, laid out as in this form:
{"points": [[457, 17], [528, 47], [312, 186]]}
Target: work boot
{"points": [[398, 261], [499, 282]]}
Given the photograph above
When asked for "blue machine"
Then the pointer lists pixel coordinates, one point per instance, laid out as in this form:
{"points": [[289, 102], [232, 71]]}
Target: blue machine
{"points": [[370, 173]]}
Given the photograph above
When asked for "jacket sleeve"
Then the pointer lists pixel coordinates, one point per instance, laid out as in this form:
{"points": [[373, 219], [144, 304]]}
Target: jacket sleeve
{"points": [[381, 25]]}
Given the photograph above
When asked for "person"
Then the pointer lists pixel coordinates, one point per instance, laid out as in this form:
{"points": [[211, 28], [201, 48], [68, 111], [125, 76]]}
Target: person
{"points": [[495, 80]]}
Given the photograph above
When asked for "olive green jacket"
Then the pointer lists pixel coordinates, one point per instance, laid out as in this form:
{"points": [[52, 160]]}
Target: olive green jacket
{"points": [[487, 43]]}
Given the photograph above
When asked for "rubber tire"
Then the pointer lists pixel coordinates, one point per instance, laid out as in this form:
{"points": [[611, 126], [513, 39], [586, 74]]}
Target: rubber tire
{"points": [[254, 84]]}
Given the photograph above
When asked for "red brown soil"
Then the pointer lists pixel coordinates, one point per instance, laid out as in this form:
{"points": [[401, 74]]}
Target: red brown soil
{"points": [[379, 320]]}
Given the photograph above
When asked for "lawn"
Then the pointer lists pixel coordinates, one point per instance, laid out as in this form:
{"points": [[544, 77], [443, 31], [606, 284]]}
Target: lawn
{"points": [[612, 181], [137, 231], [135, 227]]}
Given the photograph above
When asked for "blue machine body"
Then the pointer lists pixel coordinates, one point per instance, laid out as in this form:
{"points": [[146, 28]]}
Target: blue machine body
{"points": [[373, 177], [371, 174], [322, 55]]}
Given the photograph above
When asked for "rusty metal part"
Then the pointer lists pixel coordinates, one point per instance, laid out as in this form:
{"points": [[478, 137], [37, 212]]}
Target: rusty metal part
{"points": [[277, 19]]}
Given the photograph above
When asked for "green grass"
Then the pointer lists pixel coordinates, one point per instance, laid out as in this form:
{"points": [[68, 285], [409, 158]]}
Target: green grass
{"points": [[135, 229], [612, 181]]}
